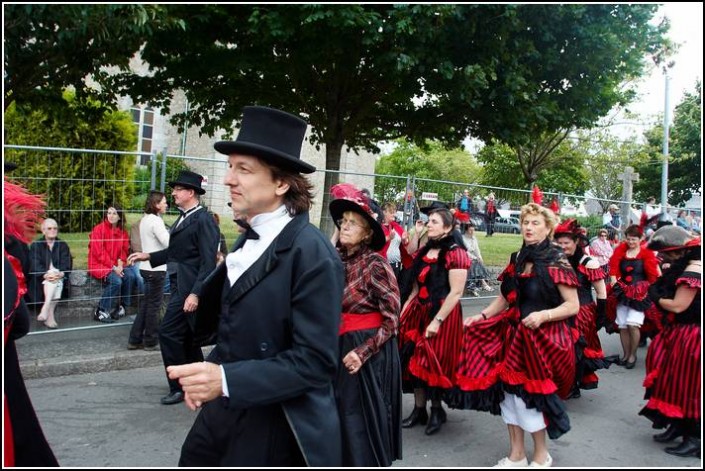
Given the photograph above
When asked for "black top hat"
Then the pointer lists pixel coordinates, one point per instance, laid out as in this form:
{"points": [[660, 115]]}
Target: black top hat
{"points": [[433, 206], [341, 205], [272, 135], [9, 166], [190, 180]]}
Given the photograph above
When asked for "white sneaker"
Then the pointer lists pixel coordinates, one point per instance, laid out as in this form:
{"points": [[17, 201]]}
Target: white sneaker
{"points": [[507, 463], [546, 464]]}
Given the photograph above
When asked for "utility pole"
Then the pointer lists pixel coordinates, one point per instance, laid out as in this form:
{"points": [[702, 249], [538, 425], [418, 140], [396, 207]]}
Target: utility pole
{"points": [[664, 168], [628, 177]]}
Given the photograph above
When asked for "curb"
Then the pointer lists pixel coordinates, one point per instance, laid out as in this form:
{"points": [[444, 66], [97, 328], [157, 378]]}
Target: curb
{"points": [[81, 364]]}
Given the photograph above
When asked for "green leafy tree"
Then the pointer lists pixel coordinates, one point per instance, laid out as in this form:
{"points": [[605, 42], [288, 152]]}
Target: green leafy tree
{"points": [[562, 170], [76, 185], [605, 156], [362, 74], [431, 162], [51, 47], [685, 153]]}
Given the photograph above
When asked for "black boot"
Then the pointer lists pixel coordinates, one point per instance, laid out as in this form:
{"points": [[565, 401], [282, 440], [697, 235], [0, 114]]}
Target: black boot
{"points": [[671, 433], [438, 416], [574, 393], [689, 447], [417, 416]]}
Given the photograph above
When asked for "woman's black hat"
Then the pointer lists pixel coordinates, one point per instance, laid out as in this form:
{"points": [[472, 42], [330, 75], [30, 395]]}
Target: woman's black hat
{"points": [[339, 206], [433, 206]]}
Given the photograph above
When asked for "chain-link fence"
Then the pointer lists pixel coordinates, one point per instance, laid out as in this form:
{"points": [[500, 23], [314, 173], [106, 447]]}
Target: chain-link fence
{"points": [[78, 184]]}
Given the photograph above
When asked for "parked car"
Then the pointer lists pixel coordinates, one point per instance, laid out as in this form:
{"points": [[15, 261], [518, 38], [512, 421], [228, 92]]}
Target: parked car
{"points": [[508, 225], [479, 221]]}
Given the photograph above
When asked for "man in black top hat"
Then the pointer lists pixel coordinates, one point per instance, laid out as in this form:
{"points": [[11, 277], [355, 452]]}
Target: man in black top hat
{"points": [[192, 250], [267, 387]]}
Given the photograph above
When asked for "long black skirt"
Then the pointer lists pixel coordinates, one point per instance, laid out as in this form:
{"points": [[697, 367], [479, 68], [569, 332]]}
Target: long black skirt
{"points": [[369, 404]]}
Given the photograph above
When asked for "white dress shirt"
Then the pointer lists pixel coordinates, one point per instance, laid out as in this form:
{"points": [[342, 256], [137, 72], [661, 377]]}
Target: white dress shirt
{"points": [[268, 226]]}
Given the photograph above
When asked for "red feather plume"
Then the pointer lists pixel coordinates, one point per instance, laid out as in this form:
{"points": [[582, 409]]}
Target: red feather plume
{"points": [[537, 195], [555, 207], [569, 226], [347, 191], [23, 212]]}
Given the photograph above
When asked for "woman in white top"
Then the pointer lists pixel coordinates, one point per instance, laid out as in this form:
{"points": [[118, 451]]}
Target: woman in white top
{"points": [[154, 237], [477, 273]]}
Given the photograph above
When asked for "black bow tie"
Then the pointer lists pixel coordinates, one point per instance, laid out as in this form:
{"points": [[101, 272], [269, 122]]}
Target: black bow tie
{"points": [[249, 232], [186, 213]]}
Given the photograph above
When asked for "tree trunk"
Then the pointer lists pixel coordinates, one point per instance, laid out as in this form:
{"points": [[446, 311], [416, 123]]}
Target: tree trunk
{"points": [[333, 150]]}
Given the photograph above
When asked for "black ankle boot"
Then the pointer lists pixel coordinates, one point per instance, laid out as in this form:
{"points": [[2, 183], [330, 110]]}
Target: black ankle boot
{"points": [[417, 416], [671, 433], [438, 416], [689, 447]]}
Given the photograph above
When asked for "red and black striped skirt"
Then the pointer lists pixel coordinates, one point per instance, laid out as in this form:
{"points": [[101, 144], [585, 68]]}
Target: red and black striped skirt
{"points": [[673, 366], [431, 362]]}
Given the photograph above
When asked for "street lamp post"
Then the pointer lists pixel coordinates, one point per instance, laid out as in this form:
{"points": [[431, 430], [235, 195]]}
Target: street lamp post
{"points": [[664, 168]]}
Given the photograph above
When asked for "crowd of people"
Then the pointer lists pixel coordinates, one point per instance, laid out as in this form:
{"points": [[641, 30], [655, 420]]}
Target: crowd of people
{"points": [[316, 339]]}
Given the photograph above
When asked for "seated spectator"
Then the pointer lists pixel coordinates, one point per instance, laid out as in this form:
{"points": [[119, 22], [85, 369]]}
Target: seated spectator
{"points": [[107, 254], [477, 273], [50, 265]]}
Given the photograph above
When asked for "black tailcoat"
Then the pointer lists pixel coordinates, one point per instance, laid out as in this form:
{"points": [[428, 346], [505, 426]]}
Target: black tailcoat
{"points": [[278, 338]]}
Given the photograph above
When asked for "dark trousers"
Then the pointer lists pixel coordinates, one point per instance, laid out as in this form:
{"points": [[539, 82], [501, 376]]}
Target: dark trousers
{"points": [[490, 226], [144, 328], [253, 437], [176, 334]]}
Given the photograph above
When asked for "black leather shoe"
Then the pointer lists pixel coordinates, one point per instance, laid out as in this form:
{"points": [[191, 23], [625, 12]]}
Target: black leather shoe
{"points": [[630, 364], [574, 393], [689, 447], [173, 398], [671, 433], [435, 421], [417, 416]]}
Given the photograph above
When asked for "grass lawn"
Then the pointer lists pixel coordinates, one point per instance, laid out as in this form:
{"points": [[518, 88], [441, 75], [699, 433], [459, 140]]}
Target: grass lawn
{"points": [[495, 250], [78, 241]]}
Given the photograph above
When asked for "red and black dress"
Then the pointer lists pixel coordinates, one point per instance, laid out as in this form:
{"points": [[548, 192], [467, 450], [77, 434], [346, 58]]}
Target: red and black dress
{"points": [[369, 402], [540, 363], [589, 355], [634, 276], [431, 363], [24, 442], [673, 360], [500, 355], [485, 345]]}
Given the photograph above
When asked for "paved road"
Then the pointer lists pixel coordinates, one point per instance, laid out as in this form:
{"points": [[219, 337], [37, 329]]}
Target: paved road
{"points": [[114, 419]]}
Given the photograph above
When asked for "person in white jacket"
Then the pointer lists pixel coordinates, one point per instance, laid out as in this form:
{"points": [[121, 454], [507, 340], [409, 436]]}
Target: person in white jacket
{"points": [[154, 237]]}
